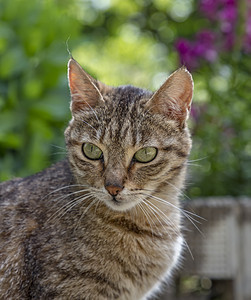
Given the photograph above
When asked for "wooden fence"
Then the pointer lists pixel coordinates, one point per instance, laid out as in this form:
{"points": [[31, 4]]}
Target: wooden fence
{"points": [[221, 252]]}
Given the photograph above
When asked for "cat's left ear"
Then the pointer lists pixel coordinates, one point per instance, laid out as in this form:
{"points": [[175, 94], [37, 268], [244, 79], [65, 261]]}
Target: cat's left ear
{"points": [[86, 92], [173, 99]]}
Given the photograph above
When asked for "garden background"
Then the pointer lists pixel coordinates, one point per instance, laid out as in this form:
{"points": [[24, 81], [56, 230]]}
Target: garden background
{"points": [[135, 42]]}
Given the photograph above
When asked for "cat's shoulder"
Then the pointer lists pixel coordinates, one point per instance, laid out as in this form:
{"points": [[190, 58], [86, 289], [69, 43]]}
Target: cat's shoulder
{"points": [[37, 184]]}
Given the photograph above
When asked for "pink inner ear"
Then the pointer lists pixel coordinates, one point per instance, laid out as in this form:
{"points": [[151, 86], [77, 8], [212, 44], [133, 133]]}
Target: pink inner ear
{"points": [[84, 93], [174, 97]]}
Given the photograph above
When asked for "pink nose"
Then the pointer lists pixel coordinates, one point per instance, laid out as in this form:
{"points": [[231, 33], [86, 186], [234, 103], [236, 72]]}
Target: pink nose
{"points": [[113, 190]]}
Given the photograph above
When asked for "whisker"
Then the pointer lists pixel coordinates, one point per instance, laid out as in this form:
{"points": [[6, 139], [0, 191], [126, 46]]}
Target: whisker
{"points": [[193, 165], [146, 215], [166, 220], [175, 187], [64, 187], [188, 212], [72, 205], [166, 202], [70, 194], [184, 212], [199, 159], [53, 216], [134, 213], [89, 206], [195, 215], [59, 147], [78, 201], [156, 215], [58, 153], [179, 209], [170, 223], [86, 210], [68, 206], [98, 202]]}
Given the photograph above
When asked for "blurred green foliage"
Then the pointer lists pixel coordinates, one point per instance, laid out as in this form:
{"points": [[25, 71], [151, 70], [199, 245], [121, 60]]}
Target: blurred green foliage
{"points": [[33, 97], [118, 42]]}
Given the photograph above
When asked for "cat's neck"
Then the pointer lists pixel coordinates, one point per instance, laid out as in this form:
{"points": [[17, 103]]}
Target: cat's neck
{"points": [[158, 215]]}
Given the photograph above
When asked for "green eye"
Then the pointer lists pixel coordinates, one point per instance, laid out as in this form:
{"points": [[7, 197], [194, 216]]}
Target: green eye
{"points": [[91, 151], [146, 154]]}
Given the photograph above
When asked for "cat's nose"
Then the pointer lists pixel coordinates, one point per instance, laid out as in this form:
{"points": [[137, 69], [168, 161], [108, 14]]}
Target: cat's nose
{"points": [[114, 190]]}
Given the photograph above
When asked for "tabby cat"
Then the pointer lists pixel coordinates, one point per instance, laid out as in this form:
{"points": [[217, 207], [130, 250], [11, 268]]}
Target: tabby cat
{"points": [[105, 223]]}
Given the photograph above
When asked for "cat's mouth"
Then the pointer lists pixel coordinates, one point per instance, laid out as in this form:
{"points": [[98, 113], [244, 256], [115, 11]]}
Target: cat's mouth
{"points": [[120, 203], [114, 199]]}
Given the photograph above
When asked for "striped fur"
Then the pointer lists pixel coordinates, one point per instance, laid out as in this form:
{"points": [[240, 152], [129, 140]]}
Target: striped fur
{"points": [[67, 236]]}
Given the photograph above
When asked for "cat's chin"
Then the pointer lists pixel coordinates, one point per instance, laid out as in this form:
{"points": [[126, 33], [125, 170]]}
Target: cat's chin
{"points": [[120, 205]]}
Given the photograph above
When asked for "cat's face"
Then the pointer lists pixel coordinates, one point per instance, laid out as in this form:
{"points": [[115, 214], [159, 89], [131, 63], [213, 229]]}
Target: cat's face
{"points": [[124, 142]]}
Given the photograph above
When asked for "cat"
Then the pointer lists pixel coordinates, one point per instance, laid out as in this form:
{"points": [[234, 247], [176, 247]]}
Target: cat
{"points": [[105, 223]]}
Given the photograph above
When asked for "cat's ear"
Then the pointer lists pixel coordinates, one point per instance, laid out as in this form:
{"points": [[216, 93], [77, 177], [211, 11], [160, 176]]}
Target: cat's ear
{"points": [[85, 90], [174, 97]]}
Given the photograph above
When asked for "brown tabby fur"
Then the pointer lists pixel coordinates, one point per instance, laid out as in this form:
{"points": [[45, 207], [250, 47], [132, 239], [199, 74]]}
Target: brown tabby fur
{"points": [[64, 236]]}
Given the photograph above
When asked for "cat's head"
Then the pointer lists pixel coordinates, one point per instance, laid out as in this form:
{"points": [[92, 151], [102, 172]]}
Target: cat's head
{"points": [[125, 142]]}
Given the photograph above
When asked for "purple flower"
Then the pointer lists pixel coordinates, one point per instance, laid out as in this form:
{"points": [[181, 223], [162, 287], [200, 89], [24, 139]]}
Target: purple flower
{"points": [[187, 57], [229, 40], [224, 13], [228, 18], [204, 45], [202, 48], [228, 14], [209, 8], [219, 9], [247, 38]]}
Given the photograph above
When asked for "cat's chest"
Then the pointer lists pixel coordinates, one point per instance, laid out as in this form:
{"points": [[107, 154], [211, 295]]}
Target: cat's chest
{"points": [[111, 257], [121, 248]]}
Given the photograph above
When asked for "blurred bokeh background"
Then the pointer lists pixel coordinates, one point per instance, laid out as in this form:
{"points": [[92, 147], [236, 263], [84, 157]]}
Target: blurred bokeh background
{"points": [[135, 42]]}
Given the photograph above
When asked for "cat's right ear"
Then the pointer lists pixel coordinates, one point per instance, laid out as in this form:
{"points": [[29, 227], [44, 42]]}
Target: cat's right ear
{"points": [[85, 95]]}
